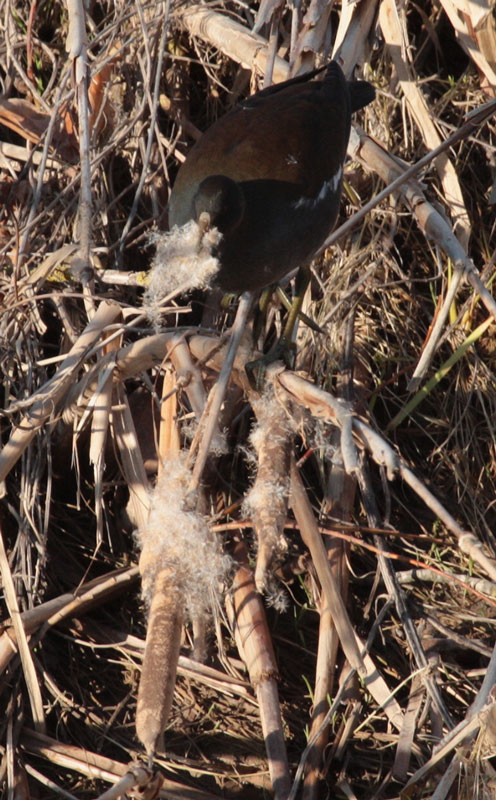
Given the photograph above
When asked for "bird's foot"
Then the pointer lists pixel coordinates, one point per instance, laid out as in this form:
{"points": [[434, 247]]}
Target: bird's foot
{"points": [[256, 369]]}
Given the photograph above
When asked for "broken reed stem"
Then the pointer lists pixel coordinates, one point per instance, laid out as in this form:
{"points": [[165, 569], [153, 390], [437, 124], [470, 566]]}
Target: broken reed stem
{"points": [[339, 501], [138, 775], [324, 406], [434, 227], [459, 738], [208, 422], [95, 766], [158, 674], [69, 604], [319, 732], [233, 39], [340, 493], [473, 121], [169, 440], [47, 399], [133, 468], [152, 126], [397, 43], [255, 645], [28, 667], [310, 534]]}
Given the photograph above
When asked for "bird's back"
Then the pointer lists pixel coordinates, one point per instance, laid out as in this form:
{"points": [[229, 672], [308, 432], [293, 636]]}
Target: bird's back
{"points": [[297, 134]]}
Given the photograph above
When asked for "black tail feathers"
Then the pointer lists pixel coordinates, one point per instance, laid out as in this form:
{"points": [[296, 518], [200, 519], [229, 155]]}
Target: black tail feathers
{"points": [[361, 94]]}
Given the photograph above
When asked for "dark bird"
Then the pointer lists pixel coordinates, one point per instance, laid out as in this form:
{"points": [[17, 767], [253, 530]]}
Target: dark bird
{"points": [[269, 176]]}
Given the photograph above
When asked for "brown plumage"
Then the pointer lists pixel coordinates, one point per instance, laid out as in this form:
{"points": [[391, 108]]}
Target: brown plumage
{"points": [[269, 176]]}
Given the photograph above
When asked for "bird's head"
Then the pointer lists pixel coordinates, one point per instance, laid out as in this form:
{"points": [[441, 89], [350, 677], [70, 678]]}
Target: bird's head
{"points": [[222, 200]]}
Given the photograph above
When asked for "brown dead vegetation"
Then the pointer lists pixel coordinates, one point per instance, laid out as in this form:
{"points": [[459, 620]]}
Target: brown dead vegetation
{"points": [[339, 640]]}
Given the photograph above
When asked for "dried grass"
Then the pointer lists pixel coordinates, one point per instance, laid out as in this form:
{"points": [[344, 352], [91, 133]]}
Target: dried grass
{"points": [[406, 312]]}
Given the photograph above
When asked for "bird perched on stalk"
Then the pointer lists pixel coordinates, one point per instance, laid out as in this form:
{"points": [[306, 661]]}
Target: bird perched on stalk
{"points": [[268, 175]]}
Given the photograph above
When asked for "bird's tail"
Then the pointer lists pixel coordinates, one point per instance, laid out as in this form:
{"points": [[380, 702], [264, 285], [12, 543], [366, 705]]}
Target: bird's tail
{"points": [[361, 94]]}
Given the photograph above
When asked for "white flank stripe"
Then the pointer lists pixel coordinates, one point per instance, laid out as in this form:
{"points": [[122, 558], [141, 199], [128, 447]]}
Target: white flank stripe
{"points": [[329, 187]]}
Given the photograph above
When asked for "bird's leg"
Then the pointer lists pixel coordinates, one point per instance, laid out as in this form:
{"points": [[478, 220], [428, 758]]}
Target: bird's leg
{"points": [[287, 303], [284, 347], [302, 280], [211, 413], [261, 311]]}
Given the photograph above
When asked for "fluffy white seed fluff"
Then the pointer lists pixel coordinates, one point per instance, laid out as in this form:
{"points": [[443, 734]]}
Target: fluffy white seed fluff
{"points": [[266, 496], [273, 426], [183, 260], [273, 423], [266, 502], [179, 540]]}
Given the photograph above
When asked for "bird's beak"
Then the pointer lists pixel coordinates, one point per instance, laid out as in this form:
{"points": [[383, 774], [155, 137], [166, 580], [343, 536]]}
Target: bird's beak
{"points": [[204, 222]]}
